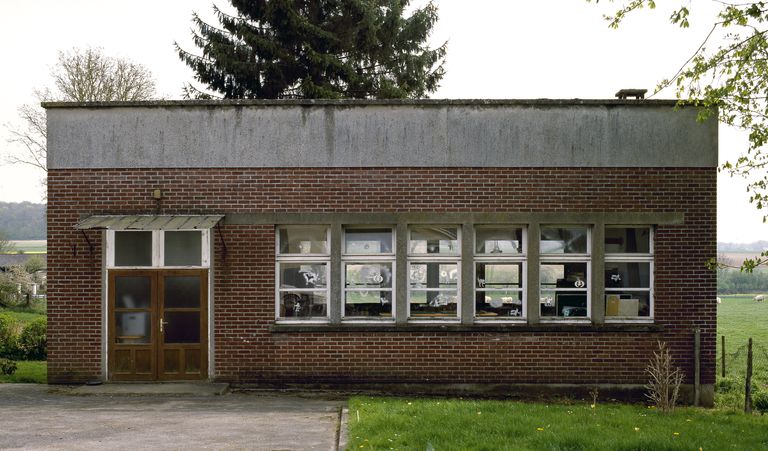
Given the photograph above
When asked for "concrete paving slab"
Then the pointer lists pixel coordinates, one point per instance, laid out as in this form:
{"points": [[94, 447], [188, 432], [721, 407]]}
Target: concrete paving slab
{"points": [[34, 417], [165, 389]]}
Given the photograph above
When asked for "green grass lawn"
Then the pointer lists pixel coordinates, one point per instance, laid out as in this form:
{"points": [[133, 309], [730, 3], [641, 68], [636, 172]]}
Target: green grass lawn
{"points": [[29, 371], [440, 424], [739, 317]]}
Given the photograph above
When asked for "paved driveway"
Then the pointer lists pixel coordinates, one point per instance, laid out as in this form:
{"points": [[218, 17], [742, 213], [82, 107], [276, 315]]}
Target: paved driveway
{"points": [[33, 418]]}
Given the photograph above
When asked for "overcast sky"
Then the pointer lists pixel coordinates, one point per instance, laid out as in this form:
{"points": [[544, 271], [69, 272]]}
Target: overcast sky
{"points": [[496, 49]]}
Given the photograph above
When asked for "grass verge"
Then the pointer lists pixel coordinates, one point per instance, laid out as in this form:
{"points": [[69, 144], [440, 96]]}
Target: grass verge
{"points": [[29, 371], [450, 424]]}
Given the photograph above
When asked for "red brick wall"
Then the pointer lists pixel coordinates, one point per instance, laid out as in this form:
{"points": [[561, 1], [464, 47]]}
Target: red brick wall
{"points": [[245, 349]]}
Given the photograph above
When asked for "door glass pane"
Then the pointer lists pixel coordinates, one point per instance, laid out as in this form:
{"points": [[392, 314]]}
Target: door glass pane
{"points": [[303, 240], [182, 327], [133, 292], [133, 248], [132, 327], [183, 248], [182, 292]]}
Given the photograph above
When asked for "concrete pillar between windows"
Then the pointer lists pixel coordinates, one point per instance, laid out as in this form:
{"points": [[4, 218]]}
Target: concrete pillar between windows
{"points": [[532, 279], [401, 273], [336, 302], [598, 274], [467, 299]]}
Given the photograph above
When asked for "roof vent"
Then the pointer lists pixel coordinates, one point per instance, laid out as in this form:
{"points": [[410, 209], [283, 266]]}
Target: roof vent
{"points": [[638, 94]]}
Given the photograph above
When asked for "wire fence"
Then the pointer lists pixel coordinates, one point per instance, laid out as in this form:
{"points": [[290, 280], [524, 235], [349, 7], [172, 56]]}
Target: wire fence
{"points": [[742, 371]]}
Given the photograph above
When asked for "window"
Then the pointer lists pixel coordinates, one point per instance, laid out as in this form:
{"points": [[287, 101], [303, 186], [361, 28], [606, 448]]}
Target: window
{"points": [[499, 272], [303, 260], [434, 272], [158, 248], [564, 271], [628, 272], [368, 262]]}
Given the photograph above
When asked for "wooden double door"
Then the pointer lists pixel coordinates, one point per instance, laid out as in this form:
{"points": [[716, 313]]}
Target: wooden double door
{"points": [[158, 325]]}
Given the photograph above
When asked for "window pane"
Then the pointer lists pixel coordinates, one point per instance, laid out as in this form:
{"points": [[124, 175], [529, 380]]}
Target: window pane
{"points": [[627, 240], [434, 240], [498, 275], [368, 303], [368, 275], [303, 240], [302, 305], [563, 304], [434, 303], [627, 275], [498, 304], [433, 275], [563, 275], [133, 248], [183, 248], [133, 292], [182, 292], [303, 275], [498, 240], [563, 240], [627, 303], [368, 241]]}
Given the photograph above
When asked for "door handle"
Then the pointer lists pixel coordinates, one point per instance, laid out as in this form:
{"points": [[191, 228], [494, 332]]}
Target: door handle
{"points": [[162, 323]]}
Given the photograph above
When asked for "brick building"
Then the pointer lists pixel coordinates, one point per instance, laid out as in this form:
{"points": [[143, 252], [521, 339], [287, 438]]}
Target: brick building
{"points": [[443, 244]]}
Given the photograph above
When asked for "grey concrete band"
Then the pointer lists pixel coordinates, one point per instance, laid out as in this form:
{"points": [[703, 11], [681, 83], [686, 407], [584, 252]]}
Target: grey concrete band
{"points": [[379, 134]]}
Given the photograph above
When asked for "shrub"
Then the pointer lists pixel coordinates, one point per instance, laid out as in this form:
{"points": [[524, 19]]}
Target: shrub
{"points": [[665, 379], [9, 348], [33, 341], [728, 384], [760, 400], [7, 367]]}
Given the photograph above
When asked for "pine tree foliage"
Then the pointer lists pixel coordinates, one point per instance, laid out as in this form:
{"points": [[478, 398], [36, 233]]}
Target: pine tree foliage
{"points": [[316, 49]]}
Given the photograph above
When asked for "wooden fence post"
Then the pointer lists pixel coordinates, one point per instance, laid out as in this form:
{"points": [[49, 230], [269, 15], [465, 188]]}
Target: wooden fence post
{"points": [[748, 386]]}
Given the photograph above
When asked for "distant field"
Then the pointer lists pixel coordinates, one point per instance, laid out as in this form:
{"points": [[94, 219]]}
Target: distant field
{"points": [[30, 246]]}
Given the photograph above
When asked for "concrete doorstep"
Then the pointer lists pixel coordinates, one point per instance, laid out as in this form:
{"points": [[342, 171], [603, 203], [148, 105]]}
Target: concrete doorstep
{"points": [[156, 389]]}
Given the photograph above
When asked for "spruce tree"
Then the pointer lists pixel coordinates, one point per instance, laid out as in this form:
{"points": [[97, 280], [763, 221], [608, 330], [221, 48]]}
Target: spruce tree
{"points": [[311, 49]]}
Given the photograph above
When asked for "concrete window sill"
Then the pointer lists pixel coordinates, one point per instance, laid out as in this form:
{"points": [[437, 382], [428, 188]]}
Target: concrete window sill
{"points": [[480, 327]]}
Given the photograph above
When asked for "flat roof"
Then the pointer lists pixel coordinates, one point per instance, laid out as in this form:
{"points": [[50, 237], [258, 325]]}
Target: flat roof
{"points": [[362, 102]]}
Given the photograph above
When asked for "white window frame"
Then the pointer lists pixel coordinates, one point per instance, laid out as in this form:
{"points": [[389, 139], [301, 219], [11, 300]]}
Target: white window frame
{"points": [[368, 258], [158, 249], [568, 258], [634, 258], [489, 258], [308, 259], [415, 259]]}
